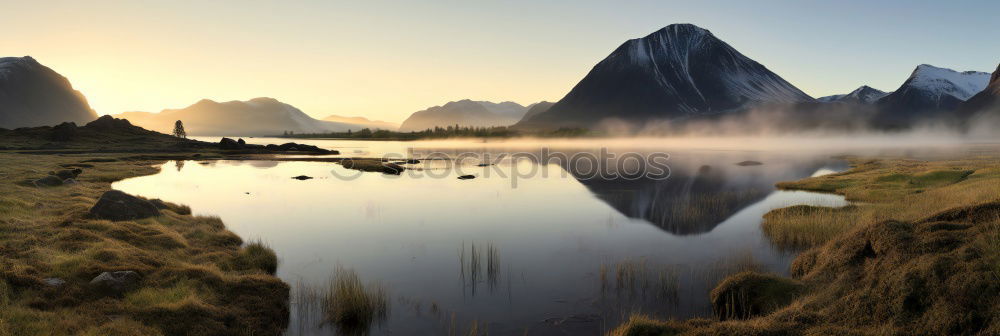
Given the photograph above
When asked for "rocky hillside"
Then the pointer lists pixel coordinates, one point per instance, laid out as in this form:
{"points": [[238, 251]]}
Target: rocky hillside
{"points": [[31, 94]]}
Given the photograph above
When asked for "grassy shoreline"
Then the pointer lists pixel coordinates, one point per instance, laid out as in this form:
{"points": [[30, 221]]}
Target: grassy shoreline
{"points": [[918, 252], [197, 278]]}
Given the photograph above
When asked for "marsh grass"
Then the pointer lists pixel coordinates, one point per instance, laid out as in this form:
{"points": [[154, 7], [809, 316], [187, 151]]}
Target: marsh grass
{"points": [[184, 260], [905, 190], [256, 255], [918, 252], [351, 306], [803, 226], [639, 278]]}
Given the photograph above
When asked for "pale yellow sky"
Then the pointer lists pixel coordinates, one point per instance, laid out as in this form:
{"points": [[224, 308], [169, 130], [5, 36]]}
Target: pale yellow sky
{"points": [[387, 59]]}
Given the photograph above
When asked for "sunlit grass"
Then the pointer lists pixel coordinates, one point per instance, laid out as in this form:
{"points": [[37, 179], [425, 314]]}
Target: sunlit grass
{"points": [[183, 260], [256, 255], [905, 190]]}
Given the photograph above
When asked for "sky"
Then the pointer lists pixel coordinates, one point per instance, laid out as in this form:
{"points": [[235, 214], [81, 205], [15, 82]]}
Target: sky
{"points": [[386, 59]]}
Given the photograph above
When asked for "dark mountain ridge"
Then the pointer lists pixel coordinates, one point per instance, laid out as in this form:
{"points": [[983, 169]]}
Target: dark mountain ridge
{"points": [[32, 94], [678, 72]]}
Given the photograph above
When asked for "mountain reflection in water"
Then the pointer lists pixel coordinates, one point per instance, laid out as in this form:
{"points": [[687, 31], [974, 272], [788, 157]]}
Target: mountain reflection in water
{"points": [[559, 253]]}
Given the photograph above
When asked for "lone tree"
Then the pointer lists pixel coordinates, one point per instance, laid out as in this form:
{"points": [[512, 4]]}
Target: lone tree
{"points": [[179, 130]]}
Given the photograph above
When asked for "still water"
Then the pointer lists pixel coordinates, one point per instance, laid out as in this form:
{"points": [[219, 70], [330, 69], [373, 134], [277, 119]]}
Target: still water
{"points": [[555, 253]]}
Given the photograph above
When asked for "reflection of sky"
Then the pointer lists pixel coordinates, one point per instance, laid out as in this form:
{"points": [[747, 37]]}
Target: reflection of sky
{"points": [[551, 232]]}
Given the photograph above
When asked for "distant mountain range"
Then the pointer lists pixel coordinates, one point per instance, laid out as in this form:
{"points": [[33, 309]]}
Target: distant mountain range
{"points": [[363, 122], [930, 93], [256, 117], [678, 72], [684, 73], [465, 113], [31, 94], [862, 95], [986, 103]]}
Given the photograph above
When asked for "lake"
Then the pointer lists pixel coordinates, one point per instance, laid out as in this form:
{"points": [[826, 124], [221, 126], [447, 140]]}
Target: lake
{"points": [[528, 246]]}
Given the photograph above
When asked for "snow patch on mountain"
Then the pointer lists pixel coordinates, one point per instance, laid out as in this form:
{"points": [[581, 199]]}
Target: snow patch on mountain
{"points": [[862, 95], [961, 85]]}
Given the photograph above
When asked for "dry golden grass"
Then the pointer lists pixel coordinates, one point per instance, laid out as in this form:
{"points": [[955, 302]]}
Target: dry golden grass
{"points": [[917, 254], [189, 284], [888, 189]]}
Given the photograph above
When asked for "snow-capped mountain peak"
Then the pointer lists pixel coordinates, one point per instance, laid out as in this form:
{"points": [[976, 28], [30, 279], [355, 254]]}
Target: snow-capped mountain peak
{"points": [[681, 71], [961, 85], [862, 95]]}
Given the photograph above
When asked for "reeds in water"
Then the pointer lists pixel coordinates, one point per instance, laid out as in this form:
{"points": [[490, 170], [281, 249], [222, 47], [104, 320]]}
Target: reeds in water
{"points": [[471, 266], [640, 277], [351, 306]]}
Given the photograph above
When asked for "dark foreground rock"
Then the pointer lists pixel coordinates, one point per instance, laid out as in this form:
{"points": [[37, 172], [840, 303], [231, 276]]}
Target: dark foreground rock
{"points": [[118, 206], [67, 173], [115, 283], [48, 181], [240, 144], [227, 143]]}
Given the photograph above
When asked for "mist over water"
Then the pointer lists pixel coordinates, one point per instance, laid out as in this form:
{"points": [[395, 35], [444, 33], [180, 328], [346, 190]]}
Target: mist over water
{"points": [[553, 253]]}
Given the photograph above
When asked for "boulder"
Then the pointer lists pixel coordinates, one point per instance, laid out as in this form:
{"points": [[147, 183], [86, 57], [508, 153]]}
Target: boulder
{"points": [[115, 283], [241, 143], [117, 206], [63, 132], [54, 282], [227, 143], [70, 181], [68, 173], [750, 294], [48, 181], [392, 168]]}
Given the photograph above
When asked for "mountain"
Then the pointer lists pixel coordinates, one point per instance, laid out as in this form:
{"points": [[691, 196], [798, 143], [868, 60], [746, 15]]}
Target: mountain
{"points": [[506, 109], [256, 117], [363, 122], [464, 113], [537, 108], [31, 94], [986, 101], [929, 93], [862, 95], [678, 72]]}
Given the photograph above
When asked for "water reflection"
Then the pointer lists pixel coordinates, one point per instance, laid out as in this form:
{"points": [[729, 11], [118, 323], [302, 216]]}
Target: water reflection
{"points": [[558, 254]]}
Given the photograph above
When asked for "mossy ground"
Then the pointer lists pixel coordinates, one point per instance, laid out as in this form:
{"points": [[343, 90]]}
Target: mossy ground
{"points": [[197, 277], [884, 189], [918, 253]]}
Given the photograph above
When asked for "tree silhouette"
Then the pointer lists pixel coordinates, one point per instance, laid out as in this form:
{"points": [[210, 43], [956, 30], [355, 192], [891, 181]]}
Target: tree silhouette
{"points": [[179, 130]]}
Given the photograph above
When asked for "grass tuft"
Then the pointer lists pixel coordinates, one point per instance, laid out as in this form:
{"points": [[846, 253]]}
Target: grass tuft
{"points": [[353, 306], [256, 255]]}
